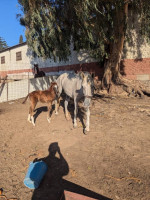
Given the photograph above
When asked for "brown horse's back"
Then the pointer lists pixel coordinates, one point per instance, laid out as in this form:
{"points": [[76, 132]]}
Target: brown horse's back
{"points": [[42, 96]]}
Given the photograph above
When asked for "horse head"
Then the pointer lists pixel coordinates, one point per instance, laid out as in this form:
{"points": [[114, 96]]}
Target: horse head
{"points": [[87, 84], [36, 68], [54, 87]]}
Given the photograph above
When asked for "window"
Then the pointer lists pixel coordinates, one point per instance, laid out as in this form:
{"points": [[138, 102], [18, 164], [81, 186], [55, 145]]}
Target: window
{"points": [[2, 59], [18, 56]]}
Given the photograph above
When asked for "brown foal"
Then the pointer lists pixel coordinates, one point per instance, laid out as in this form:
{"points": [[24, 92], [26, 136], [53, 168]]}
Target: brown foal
{"points": [[46, 96]]}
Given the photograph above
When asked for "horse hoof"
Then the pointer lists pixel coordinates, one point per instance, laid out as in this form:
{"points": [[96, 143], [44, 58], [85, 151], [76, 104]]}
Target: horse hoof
{"points": [[56, 113], [67, 118], [75, 125], [48, 120], [85, 131], [29, 120]]}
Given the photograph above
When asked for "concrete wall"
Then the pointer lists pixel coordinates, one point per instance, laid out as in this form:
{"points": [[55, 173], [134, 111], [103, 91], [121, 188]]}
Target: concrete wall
{"points": [[136, 53], [19, 89], [135, 46]]}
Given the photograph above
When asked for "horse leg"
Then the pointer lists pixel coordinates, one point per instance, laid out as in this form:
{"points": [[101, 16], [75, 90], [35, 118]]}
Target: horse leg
{"points": [[29, 115], [32, 107], [49, 112], [75, 113], [66, 107], [30, 111], [57, 104], [87, 120]]}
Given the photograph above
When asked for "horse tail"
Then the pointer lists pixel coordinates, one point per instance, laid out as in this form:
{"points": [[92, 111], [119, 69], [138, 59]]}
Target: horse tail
{"points": [[25, 99]]}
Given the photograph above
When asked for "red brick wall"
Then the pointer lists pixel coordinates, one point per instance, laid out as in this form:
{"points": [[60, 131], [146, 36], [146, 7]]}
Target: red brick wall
{"points": [[94, 68], [129, 68], [91, 67]]}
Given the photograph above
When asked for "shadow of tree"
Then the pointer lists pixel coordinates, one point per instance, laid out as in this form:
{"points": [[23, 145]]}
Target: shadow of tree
{"points": [[134, 42], [40, 83], [134, 39]]}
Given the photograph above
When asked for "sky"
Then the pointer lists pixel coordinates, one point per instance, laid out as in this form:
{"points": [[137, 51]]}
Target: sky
{"points": [[10, 28]]}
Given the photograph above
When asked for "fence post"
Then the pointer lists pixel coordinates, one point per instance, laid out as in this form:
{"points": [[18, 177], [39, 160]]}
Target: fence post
{"points": [[28, 84], [7, 90]]}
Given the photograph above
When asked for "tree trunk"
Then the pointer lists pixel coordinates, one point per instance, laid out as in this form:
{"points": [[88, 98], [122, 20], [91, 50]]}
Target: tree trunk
{"points": [[112, 64]]}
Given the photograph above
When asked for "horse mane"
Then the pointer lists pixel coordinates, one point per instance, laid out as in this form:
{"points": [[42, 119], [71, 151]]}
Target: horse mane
{"points": [[51, 86]]}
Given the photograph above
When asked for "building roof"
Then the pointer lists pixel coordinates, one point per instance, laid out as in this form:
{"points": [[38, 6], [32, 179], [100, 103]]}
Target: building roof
{"points": [[13, 47]]}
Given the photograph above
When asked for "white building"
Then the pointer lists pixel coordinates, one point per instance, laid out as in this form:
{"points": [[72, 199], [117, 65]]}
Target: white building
{"points": [[17, 63]]}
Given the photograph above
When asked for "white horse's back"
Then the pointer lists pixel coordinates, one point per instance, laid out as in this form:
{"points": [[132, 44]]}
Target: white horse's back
{"points": [[70, 83]]}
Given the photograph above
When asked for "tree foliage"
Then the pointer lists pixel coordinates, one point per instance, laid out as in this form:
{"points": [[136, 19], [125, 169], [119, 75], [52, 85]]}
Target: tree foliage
{"points": [[89, 24], [3, 44]]}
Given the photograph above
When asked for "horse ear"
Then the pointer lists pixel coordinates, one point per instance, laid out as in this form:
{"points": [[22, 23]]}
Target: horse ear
{"points": [[82, 75]]}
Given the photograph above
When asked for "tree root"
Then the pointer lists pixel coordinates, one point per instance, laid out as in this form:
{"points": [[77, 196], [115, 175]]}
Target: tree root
{"points": [[133, 88]]}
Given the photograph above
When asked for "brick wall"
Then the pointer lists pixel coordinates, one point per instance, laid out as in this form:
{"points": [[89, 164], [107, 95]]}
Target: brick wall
{"points": [[138, 69]]}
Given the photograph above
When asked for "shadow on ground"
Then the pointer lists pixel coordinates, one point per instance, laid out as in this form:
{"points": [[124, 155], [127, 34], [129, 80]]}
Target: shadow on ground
{"points": [[53, 186]]}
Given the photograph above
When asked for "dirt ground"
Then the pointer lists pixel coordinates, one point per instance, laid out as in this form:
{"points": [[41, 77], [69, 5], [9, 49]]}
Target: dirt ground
{"points": [[111, 162]]}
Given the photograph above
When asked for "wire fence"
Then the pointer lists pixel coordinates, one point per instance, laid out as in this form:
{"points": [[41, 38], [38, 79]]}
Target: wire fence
{"points": [[18, 89]]}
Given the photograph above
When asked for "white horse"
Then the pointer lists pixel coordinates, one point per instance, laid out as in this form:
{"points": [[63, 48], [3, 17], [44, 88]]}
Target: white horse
{"points": [[77, 86]]}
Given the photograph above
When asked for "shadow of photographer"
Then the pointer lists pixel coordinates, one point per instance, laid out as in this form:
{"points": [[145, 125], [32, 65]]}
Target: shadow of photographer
{"points": [[54, 187], [51, 187]]}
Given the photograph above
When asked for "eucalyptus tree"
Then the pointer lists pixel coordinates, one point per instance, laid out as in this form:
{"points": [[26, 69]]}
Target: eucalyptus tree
{"points": [[99, 26]]}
